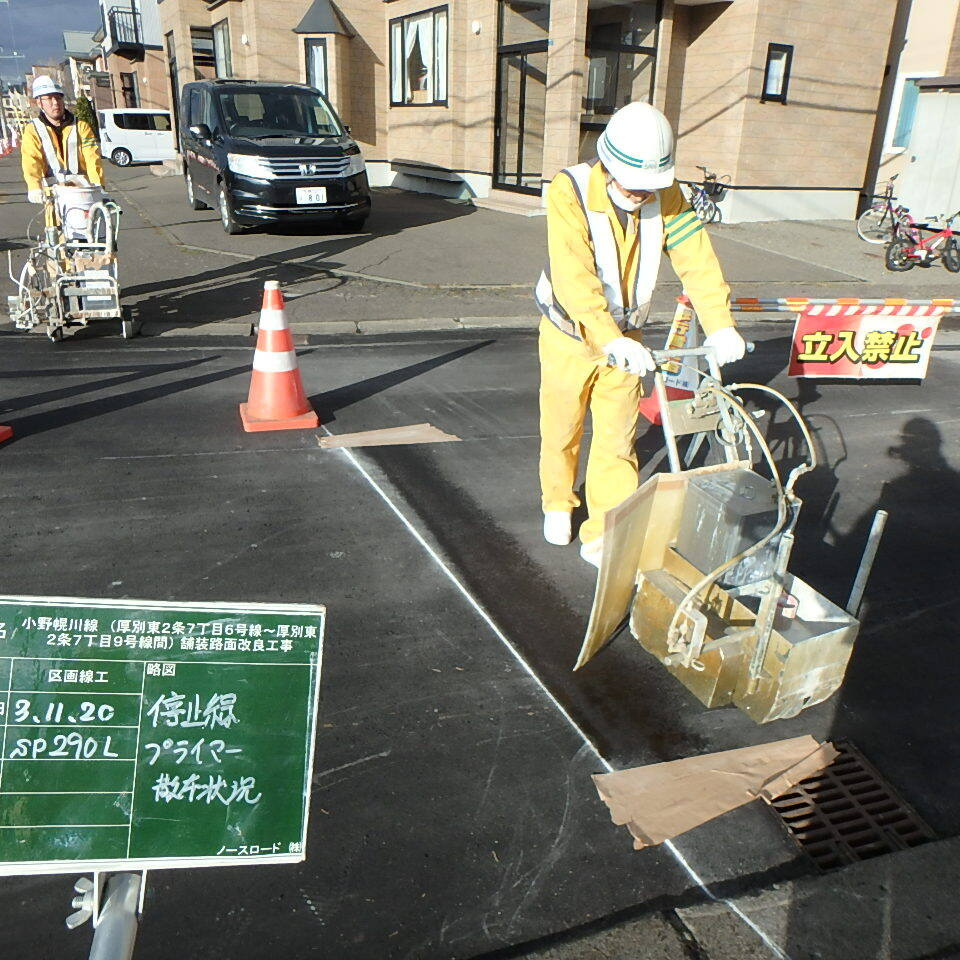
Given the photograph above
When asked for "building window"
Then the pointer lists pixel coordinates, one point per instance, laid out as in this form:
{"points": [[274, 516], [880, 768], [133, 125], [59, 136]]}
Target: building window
{"points": [[776, 74], [621, 54], [128, 88], [201, 47], [315, 52], [907, 114], [223, 58], [418, 58]]}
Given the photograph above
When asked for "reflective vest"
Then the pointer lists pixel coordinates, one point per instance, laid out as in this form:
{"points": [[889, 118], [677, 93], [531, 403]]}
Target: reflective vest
{"points": [[71, 149], [630, 316]]}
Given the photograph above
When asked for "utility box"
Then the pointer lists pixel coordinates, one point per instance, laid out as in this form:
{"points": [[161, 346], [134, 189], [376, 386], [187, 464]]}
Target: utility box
{"points": [[723, 515]]}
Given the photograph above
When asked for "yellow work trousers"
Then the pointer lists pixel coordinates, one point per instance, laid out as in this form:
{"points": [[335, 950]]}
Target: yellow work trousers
{"points": [[573, 380]]}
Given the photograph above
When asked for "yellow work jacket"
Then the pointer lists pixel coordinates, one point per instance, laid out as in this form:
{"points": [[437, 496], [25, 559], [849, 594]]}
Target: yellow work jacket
{"points": [[34, 162], [573, 270]]}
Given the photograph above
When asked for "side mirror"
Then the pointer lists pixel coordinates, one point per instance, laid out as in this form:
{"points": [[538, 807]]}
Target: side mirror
{"points": [[201, 131]]}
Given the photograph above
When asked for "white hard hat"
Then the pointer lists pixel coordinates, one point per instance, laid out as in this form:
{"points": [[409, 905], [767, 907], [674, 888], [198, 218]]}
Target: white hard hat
{"points": [[637, 148], [43, 86]]}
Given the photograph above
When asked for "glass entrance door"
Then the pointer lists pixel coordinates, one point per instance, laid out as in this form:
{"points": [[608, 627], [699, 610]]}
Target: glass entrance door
{"points": [[521, 103]]}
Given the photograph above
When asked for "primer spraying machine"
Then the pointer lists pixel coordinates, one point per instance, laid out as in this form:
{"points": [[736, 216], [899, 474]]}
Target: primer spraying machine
{"points": [[697, 559], [70, 276]]}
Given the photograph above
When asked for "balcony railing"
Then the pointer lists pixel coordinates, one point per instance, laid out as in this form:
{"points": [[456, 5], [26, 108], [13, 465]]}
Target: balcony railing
{"points": [[126, 33]]}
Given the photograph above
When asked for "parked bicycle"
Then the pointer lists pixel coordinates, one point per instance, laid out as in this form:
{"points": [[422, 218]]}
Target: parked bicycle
{"points": [[943, 243], [706, 196], [886, 218]]}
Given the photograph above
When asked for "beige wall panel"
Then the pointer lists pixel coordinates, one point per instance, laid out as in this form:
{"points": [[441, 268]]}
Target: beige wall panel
{"points": [[715, 80], [367, 85], [832, 97]]}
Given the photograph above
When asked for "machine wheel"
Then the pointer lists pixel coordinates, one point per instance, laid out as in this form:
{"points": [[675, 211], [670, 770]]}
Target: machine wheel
{"points": [[898, 257], [55, 334], [121, 157], [227, 218], [129, 325], [951, 255], [191, 195]]}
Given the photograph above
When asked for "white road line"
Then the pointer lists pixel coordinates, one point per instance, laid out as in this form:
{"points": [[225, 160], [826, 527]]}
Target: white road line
{"points": [[473, 602]]}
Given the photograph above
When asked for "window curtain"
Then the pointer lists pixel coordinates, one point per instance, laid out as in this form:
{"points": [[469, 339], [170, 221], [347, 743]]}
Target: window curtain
{"points": [[427, 55], [440, 38], [317, 73], [410, 66], [396, 63]]}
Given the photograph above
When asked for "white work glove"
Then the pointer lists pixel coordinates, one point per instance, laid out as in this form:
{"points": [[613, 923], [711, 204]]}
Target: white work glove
{"points": [[629, 355], [727, 345], [35, 196]]}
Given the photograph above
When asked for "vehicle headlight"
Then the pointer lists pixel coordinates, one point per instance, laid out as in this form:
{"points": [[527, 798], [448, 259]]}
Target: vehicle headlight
{"points": [[244, 165], [355, 165]]}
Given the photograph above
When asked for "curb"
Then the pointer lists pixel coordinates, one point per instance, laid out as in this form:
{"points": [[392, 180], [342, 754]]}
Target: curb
{"points": [[310, 331]]}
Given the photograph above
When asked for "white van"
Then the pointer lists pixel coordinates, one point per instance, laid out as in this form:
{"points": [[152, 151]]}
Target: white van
{"points": [[136, 135]]}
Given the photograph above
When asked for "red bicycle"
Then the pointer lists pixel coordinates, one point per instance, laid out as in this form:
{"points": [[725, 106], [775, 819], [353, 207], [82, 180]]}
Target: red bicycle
{"points": [[904, 253]]}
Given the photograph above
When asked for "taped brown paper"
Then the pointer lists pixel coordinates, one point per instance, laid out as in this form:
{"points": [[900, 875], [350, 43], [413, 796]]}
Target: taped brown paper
{"points": [[390, 436], [663, 800]]}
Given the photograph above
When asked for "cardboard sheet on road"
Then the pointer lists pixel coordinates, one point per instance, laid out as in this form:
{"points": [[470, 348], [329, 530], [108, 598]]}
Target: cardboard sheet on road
{"points": [[663, 800], [391, 436]]}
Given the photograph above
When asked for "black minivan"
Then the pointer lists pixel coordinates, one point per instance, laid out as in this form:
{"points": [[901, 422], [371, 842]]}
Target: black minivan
{"points": [[261, 152]]}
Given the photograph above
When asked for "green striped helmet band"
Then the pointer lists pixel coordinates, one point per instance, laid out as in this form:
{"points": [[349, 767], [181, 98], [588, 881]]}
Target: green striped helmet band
{"points": [[662, 164]]}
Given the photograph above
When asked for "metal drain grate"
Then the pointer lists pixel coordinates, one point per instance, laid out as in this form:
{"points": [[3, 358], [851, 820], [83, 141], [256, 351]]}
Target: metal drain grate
{"points": [[847, 813]]}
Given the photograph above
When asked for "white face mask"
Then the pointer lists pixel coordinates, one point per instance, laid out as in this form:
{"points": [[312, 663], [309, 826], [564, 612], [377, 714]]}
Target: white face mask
{"points": [[623, 202]]}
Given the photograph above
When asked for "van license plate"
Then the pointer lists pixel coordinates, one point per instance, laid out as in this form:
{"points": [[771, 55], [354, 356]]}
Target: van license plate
{"points": [[311, 194]]}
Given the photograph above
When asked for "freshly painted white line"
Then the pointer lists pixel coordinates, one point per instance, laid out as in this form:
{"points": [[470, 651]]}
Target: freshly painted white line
{"points": [[487, 619]]}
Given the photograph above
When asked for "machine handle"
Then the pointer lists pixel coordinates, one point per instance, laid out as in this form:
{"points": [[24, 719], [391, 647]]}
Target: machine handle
{"points": [[664, 356]]}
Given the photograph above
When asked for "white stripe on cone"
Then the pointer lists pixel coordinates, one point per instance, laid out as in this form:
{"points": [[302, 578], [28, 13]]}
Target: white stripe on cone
{"points": [[274, 362], [273, 320]]}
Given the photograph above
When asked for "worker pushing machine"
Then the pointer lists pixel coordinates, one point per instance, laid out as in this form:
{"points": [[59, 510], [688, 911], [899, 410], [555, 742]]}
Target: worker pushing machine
{"points": [[70, 275], [607, 222], [57, 146]]}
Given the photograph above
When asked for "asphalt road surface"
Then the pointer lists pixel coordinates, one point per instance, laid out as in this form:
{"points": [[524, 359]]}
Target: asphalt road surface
{"points": [[452, 809]]}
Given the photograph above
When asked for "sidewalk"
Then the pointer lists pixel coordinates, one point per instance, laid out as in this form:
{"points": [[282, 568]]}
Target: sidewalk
{"points": [[442, 264]]}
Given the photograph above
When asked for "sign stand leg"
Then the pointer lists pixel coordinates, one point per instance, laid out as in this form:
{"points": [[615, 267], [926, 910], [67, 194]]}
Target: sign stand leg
{"points": [[116, 931]]}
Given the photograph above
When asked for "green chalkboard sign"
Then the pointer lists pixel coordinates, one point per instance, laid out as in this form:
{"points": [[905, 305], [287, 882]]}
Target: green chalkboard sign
{"points": [[147, 735]]}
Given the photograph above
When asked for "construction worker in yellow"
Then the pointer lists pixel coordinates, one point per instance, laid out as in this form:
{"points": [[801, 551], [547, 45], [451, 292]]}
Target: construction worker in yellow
{"points": [[56, 145], [607, 222]]}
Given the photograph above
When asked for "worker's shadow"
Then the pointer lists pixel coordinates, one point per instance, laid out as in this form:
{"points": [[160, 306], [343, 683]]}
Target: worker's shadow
{"points": [[898, 701]]}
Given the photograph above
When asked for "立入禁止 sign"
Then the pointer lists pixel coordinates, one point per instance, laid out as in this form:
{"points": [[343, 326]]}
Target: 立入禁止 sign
{"points": [[864, 341]]}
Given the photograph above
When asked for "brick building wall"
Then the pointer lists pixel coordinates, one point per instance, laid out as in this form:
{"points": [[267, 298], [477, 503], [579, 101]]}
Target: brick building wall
{"points": [[153, 83], [708, 79]]}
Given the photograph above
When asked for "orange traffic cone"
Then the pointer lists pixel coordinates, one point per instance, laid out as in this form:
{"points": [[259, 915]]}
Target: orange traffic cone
{"points": [[276, 400], [683, 333]]}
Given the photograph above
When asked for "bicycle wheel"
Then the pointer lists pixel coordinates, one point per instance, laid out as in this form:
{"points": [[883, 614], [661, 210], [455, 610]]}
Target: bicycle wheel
{"points": [[707, 209], [875, 226], [951, 255], [898, 257]]}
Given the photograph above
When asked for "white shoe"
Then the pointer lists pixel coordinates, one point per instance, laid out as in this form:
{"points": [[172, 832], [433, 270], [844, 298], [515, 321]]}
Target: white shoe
{"points": [[557, 528], [592, 551]]}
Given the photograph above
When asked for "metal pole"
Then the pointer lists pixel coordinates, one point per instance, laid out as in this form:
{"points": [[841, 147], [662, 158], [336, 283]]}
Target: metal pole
{"points": [[866, 563], [117, 930], [669, 438]]}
